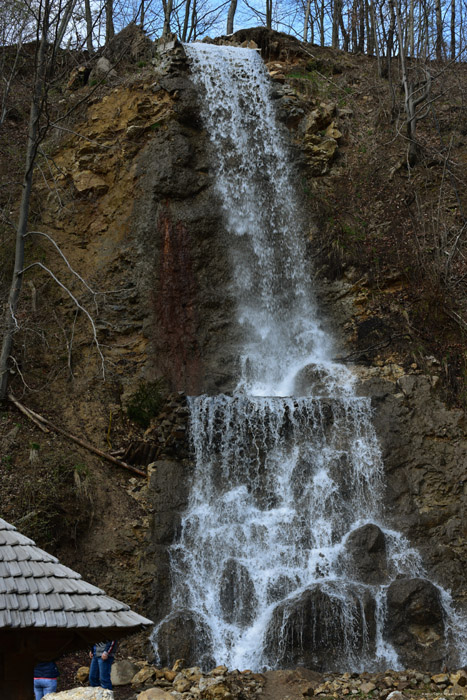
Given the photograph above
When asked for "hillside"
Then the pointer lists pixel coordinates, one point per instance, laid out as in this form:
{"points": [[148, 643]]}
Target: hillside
{"points": [[116, 185]]}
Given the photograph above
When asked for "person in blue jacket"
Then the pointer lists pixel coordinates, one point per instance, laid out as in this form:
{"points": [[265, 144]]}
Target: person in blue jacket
{"points": [[102, 657], [46, 675]]}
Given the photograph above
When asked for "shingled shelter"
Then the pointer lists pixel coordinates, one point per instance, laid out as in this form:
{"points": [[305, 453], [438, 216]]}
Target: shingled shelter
{"points": [[47, 610]]}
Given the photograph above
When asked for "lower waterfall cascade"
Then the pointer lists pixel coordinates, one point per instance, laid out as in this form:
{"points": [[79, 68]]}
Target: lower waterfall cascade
{"points": [[284, 556]]}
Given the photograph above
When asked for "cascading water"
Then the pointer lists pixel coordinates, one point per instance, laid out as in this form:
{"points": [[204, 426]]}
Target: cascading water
{"points": [[283, 484]]}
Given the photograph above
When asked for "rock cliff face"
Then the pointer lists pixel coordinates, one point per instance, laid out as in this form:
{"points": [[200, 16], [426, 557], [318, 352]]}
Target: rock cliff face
{"points": [[138, 213]]}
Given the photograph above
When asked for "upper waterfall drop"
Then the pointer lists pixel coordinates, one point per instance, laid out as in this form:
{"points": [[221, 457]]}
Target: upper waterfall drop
{"points": [[283, 556], [282, 334]]}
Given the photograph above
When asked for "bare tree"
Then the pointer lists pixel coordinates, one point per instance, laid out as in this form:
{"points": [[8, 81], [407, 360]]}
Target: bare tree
{"points": [[38, 124], [231, 15], [34, 139]]}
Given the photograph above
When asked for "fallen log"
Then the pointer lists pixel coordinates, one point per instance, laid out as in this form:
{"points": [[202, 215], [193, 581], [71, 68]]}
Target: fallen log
{"points": [[45, 424]]}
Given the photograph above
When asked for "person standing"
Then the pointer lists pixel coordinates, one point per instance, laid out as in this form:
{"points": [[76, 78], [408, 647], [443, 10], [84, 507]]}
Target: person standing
{"points": [[46, 675], [102, 658]]}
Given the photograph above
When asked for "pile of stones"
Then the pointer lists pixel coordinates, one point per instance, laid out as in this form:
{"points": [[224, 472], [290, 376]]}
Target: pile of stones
{"points": [[390, 685], [180, 683]]}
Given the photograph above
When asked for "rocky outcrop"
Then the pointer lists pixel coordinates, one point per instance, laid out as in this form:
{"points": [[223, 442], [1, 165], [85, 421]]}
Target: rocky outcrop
{"points": [[424, 452], [415, 623], [321, 628], [237, 594], [185, 633], [366, 554]]}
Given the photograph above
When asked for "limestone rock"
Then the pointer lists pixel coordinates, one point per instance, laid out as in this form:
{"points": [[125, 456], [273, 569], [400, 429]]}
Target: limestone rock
{"points": [[367, 687], [123, 672], [415, 622], [83, 694], [103, 68], [182, 685], [440, 678], [144, 675], [155, 694], [86, 181], [333, 131], [82, 674], [178, 665], [396, 695]]}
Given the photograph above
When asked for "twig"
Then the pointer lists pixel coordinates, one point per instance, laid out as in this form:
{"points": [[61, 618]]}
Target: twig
{"points": [[38, 420], [80, 307]]}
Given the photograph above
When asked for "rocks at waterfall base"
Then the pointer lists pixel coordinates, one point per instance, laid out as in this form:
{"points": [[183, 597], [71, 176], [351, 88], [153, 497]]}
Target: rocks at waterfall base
{"points": [[181, 683], [415, 621]]}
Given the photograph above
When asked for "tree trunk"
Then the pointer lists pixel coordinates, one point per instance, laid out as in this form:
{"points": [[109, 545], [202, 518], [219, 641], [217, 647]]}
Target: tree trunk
{"points": [[186, 20], [33, 142], [453, 30], [168, 13], [361, 37], [375, 40], [336, 11], [321, 25], [89, 27], [231, 15], [269, 14], [306, 20], [345, 33], [353, 27], [439, 31], [69, 7], [410, 30], [109, 21]]}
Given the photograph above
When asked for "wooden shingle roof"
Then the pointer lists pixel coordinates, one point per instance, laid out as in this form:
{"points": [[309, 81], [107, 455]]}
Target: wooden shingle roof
{"points": [[36, 591]]}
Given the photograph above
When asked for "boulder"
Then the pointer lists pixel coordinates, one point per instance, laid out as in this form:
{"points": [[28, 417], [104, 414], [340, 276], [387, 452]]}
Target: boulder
{"points": [[123, 672], [415, 623], [145, 674], [237, 594], [185, 635], [103, 69], [321, 628], [154, 694], [366, 555], [83, 694], [82, 674]]}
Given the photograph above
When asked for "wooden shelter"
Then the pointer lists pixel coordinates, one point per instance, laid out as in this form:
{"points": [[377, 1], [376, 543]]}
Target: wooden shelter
{"points": [[47, 610]]}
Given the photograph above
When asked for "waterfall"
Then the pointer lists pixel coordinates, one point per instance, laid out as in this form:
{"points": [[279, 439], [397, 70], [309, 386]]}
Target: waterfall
{"points": [[288, 476]]}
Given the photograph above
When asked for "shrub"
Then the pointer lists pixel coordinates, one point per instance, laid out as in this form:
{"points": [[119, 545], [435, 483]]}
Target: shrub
{"points": [[146, 402]]}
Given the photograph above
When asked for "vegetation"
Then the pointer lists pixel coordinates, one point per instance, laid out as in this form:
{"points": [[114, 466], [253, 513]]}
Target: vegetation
{"points": [[146, 402]]}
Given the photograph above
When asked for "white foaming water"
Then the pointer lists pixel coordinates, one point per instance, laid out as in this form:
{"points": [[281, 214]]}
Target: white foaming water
{"points": [[272, 284], [280, 481]]}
